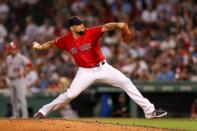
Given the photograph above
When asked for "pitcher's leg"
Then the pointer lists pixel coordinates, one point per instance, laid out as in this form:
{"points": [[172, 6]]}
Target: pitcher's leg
{"points": [[82, 80], [21, 88], [114, 77]]}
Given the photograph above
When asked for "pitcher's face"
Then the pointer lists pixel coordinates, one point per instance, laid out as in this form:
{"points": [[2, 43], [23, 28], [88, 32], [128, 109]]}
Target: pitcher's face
{"points": [[78, 29]]}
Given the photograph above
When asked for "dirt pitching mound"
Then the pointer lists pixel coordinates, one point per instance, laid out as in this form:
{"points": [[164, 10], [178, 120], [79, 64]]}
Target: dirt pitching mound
{"points": [[64, 125]]}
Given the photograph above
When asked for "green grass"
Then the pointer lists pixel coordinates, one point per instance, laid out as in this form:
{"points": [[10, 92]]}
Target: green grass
{"points": [[186, 124]]}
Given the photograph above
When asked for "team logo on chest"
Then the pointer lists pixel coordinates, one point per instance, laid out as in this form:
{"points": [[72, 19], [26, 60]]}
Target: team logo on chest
{"points": [[83, 47]]}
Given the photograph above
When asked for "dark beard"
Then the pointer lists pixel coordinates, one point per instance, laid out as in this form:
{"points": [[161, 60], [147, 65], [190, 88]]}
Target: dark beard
{"points": [[80, 32]]}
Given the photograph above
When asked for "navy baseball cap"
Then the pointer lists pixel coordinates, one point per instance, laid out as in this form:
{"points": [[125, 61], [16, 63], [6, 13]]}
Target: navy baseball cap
{"points": [[75, 21]]}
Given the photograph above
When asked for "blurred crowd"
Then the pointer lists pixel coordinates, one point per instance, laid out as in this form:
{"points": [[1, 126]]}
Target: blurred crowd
{"points": [[164, 47]]}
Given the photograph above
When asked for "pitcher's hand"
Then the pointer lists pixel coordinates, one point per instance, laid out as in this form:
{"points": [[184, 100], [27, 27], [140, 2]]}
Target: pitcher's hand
{"points": [[36, 46]]}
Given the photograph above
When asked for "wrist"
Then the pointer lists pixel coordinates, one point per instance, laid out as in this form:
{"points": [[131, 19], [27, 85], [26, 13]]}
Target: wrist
{"points": [[39, 47], [121, 25]]}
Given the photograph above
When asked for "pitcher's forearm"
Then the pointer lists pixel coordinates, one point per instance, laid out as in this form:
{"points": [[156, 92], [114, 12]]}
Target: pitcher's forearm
{"points": [[45, 46], [112, 26]]}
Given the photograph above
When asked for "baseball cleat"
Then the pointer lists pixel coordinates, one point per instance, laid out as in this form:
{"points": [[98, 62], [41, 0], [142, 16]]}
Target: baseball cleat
{"points": [[156, 114], [39, 115]]}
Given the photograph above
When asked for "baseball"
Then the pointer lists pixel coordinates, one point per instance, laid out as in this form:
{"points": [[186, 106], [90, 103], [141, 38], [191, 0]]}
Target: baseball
{"points": [[36, 45]]}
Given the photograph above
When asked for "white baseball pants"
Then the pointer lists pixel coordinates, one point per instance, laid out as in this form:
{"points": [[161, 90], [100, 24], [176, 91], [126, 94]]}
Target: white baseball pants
{"points": [[106, 74], [18, 100]]}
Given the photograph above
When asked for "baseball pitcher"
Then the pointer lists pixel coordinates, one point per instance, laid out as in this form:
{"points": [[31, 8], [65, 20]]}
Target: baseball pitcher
{"points": [[83, 44], [16, 64]]}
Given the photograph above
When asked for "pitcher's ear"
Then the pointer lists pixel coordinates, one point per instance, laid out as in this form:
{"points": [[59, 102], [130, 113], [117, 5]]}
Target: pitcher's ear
{"points": [[71, 28]]}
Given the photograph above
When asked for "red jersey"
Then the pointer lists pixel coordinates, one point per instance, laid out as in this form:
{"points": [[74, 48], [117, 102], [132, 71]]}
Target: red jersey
{"points": [[85, 49]]}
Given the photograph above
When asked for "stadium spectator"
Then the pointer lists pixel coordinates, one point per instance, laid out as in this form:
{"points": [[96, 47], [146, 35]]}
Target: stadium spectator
{"points": [[4, 10], [166, 74], [45, 31], [3, 32], [32, 79], [150, 15], [121, 108], [30, 30], [194, 110]]}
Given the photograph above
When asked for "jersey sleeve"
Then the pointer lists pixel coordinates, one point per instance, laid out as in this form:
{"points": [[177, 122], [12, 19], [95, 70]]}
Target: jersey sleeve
{"points": [[60, 43], [96, 33]]}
